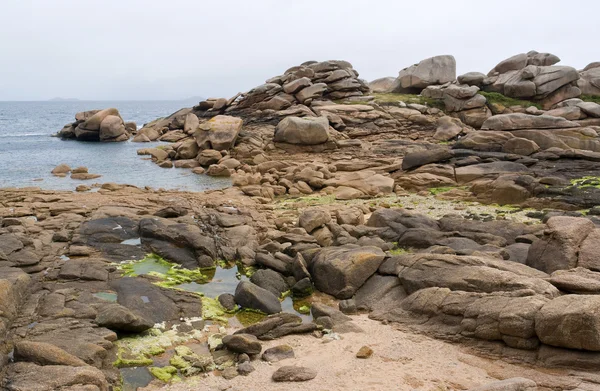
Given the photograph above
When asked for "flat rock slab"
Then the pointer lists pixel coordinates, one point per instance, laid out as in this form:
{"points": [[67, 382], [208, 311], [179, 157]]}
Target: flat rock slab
{"points": [[294, 374]]}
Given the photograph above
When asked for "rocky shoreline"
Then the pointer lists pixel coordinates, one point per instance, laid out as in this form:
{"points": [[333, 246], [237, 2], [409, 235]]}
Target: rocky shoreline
{"points": [[446, 214]]}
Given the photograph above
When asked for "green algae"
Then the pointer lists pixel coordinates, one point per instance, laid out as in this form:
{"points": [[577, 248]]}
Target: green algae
{"points": [[213, 310], [247, 316], [141, 361], [165, 374], [170, 274], [586, 182]]}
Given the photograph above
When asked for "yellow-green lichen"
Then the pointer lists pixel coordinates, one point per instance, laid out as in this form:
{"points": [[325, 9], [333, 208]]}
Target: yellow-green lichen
{"points": [[587, 182], [165, 374], [141, 361], [213, 310]]}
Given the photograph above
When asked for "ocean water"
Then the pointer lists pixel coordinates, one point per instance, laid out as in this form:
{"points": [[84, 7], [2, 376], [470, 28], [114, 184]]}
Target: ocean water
{"points": [[28, 152]]}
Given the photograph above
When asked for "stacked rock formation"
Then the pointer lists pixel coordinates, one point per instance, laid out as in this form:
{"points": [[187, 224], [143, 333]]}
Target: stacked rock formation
{"points": [[431, 71], [299, 85], [589, 79], [98, 125]]}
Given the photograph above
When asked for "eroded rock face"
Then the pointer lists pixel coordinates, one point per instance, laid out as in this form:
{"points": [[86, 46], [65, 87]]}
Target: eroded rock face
{"points": [[340, 271], [218, 133], [431, 71], [518, 121]]}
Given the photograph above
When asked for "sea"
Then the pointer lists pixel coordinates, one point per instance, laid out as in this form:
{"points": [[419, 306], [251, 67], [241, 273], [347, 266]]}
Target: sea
{"points": [[28, 152]]}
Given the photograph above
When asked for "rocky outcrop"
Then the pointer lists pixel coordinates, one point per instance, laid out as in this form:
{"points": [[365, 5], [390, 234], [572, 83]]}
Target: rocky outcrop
{"points": [[431, 71], [534, 76], [98, 125], [518, 121], [589, 80], [383, 84]]}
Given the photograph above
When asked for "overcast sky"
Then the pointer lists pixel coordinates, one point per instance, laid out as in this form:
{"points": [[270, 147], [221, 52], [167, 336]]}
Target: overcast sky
{"points": [[157, 49]]}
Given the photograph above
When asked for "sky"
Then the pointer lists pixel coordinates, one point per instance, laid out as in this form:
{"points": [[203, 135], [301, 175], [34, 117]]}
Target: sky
{"points": [[166, 50]]}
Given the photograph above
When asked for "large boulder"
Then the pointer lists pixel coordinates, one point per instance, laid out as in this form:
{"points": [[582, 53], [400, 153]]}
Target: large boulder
{"points": [[30, 376], [313, 218], [45, 354], [570, 321], [98, 125], [431, 71], [249, 295], [117, 317], [341, 271], [112, 128], [559, 248], [383, 84], [589, 81], [219, 133], [302, 131]]}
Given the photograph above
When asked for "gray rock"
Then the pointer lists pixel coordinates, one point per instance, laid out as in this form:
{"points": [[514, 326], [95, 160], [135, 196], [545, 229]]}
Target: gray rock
{"points": [[270, 280], [471, 78], [117, 317], [590, 108], [45, 354], [516, 121], [383, 84], [313, 218]]}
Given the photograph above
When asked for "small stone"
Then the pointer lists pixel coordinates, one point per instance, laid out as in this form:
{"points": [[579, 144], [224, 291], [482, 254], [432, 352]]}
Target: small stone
{"points": [[245, 368], [278, 353], [364, 352], [292, 373], [229, 373], [242, 343], [243, 357]]}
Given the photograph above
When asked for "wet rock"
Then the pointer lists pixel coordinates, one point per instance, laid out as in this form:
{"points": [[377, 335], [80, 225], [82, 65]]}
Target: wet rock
{"points": [[44, 354], [61, 170], [242, 343], [340, 271], [227, 300], [249, 295], [278, 353], [302, 288], [117, 317], [270, 280], [293, 374]]}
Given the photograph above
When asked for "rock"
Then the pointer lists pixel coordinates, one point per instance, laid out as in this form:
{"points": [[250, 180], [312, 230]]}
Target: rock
{"points": [[432, 71], [383, 84], [302, 131], [420, 158], [520, 146], [570, 321], [220, 170], [270, 280], [447, 128], [558, 250], [365, 182], [242, 343], [296, 85], [518, 121], [313, 218], [590, 108], [351, 216], [588, 257], [278, 353], [512, 384], [61, 170], [117, 317], [209, 156], [245, 368], [578, 280], [29, 376], [229, 373], [571, 113], [156, 153], [227, 300], [45, 354], [293, 374], [218, 133], [589, 81], [112, 128], [311, 92], [249, 295], [340, 271], [364, 352], [514, 63], [188, 149], [471, 78], [476, 171], [191, 123]]}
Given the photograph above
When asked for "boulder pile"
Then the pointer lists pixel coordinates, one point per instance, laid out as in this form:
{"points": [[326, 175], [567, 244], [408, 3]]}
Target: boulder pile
{"points": [[98, 125]]}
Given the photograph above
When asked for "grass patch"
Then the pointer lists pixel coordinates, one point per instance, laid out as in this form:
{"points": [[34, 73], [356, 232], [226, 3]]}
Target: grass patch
{"points": [[397, 250], [440, 190], [497, 98], [590, 98]]}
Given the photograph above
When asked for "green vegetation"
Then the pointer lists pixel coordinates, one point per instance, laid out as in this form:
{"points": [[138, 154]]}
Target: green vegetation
{"points": [[142, 361], [213, 310], [590, 98], [587, 182], [439, 190], [247, 316], [397, 250], [165, 374], [171, 274], [497, 98]]}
